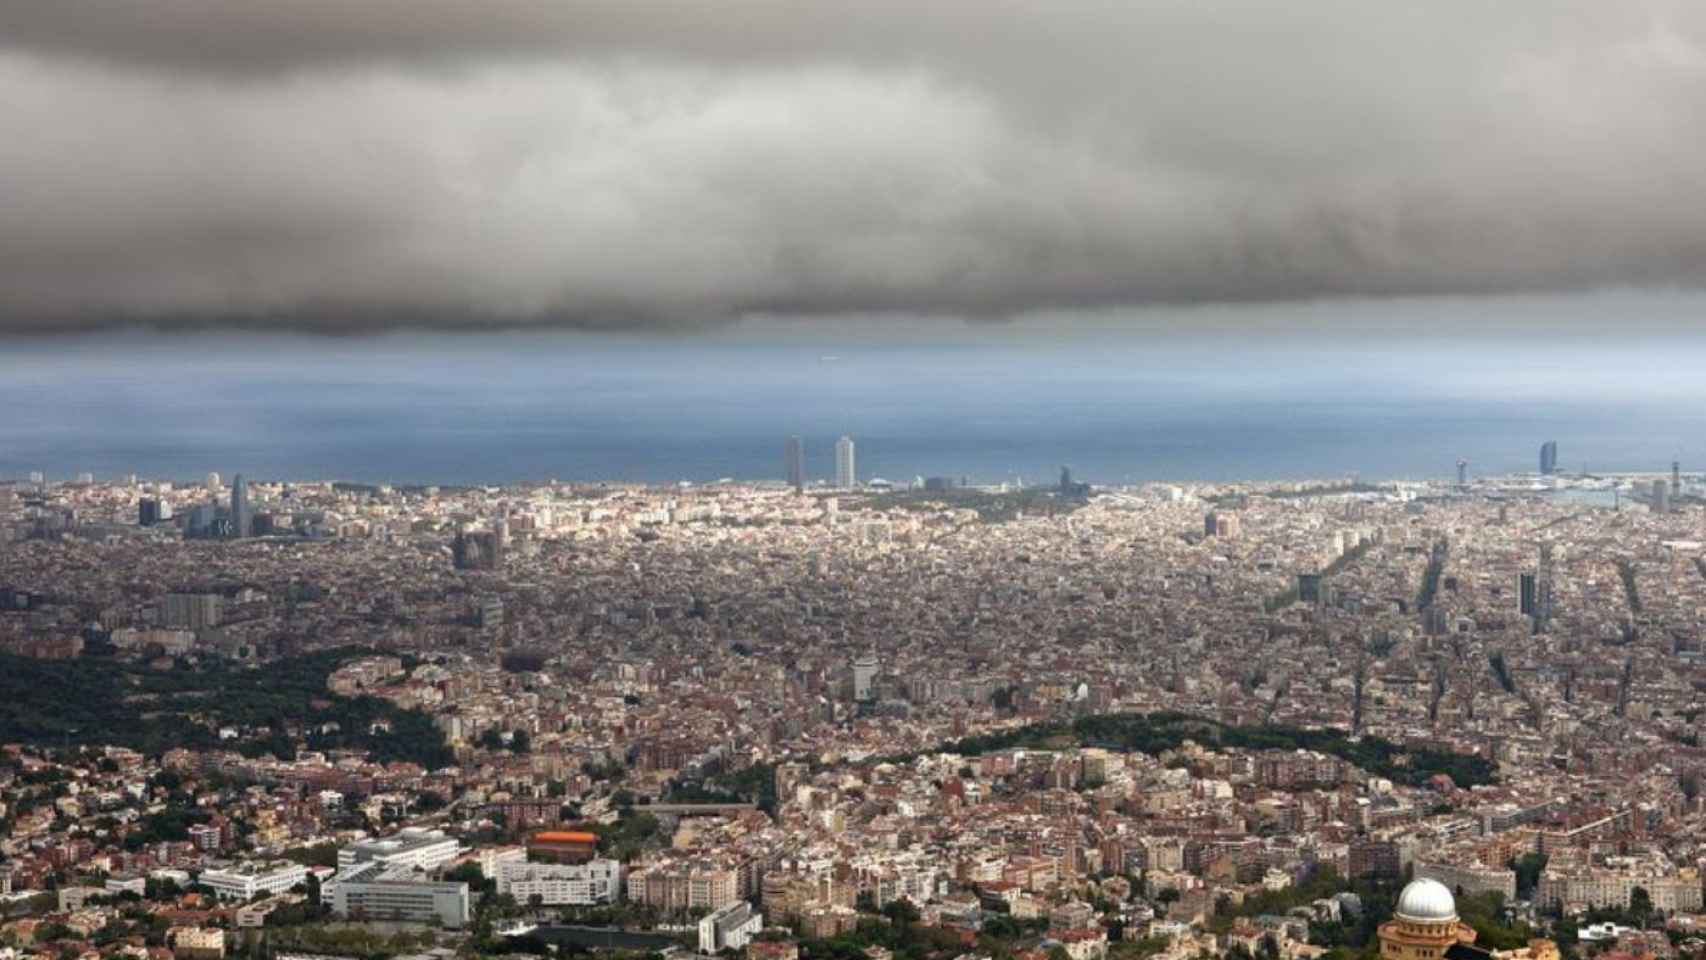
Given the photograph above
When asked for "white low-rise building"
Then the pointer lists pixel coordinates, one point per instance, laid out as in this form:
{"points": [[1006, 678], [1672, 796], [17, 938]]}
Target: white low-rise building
{"points": [[374, 891], [245, 880], [412, 847], [731, 927], [561, 884]]}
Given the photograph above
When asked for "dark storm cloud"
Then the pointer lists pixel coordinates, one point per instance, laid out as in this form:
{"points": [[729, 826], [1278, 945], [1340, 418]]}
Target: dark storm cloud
{"points": [[339, 165]]}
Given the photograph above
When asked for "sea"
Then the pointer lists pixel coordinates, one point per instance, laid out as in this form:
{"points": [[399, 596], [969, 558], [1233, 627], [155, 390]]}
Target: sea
{"points": [[987, 404]]}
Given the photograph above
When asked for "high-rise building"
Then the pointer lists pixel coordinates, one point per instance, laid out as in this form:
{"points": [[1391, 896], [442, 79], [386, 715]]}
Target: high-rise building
{"points": [[1526, 593], [1463, 473], [1675, 479], [1373, 858], [846, 474], [794, 454], [1217, 524], [865, 677], [1542, 612], [191, 611], [201, 520], [1549, 457], [213, 480], [1661, 496], [478, 550], [147, 512], [242, 521]]}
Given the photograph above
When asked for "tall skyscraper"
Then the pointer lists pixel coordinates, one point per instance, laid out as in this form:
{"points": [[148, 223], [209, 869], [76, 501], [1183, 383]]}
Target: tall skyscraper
{"points": [[242, 521], [1463, 473], [1661, 497], [1675, 479], [865, 669], [795, 454], [478, 549], [1543, 589], [1549, 458], [846, 474]]}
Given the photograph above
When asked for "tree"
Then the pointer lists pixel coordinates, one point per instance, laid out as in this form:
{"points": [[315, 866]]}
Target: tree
{"points": [[1640, 906], [469, 873], [901, 911], [1528, 868]]}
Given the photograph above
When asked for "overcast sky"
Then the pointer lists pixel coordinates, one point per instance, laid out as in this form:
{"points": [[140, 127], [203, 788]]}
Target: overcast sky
{"points": [[334, 164]]}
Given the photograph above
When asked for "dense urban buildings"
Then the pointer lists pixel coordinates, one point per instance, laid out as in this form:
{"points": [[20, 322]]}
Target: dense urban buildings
{"points": [[1157, 720]]}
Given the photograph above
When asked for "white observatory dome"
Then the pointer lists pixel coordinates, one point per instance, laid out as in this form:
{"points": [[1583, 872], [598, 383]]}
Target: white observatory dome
{"points": [[1428, 901]]}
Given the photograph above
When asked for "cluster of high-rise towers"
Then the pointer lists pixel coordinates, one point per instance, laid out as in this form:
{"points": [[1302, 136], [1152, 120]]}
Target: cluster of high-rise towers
{"points": [[794, 456], [207, 519]]}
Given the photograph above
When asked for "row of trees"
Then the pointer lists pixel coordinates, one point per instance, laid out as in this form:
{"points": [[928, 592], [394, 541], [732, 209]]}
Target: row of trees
{"points": [[1157, 733]]}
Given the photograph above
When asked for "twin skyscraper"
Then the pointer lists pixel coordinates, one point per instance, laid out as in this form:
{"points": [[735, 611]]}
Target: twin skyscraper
{"points": [[846, 472]]}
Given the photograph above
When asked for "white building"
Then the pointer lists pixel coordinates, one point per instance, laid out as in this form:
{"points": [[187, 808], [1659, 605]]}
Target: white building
{"points": [[412, 847], [846, 473], [244, 880], [731, 927], [1674, 892], [561, 884], [865, 671], [1468, 876], [127, 884], [374, 891]]}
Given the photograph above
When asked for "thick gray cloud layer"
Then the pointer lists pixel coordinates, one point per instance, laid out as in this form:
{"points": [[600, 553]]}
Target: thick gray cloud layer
{"points": [[335, 163]]}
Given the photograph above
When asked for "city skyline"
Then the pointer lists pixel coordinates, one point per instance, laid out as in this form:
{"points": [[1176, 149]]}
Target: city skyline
{"points": [[829, 480]]}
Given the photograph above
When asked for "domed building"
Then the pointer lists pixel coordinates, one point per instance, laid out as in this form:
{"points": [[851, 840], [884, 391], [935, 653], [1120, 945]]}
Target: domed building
{"points": [[1424, 926]]}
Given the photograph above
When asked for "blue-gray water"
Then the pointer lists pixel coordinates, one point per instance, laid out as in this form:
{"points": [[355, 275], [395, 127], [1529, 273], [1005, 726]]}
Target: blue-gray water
{"points": [[1118, 407]]}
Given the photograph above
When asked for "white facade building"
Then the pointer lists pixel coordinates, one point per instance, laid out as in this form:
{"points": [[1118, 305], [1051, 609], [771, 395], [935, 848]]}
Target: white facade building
{"points": [[561, 884], [412, 847], [245, 880], [731, 927], [865, 670], [846, 471], [375, 892]]}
